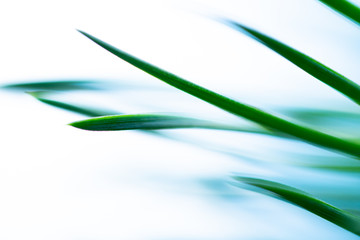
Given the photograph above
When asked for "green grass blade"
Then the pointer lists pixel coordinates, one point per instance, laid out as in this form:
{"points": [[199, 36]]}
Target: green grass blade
{"points": [[121, 122], [339, 168], [90, 112], [306, 201], [65, 85], [319, 115], [155, 122], [345, 8], [306, 63], [237, 108]]}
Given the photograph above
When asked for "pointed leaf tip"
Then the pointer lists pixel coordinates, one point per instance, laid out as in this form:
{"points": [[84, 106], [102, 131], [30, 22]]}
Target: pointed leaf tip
{"points": [[237, 108], [305, 62]]}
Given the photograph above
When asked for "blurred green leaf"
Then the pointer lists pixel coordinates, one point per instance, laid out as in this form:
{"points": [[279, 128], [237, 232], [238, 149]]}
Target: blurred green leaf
{"points": [[90, 112], [344, 7], [321, 115], [237, 108], [309, 65], [305, 201], [65, 85], [337, 168], [339, 122], [323, 162]]}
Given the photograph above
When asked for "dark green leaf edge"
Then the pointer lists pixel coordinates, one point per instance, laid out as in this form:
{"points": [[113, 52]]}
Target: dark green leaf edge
{"points": [[306, 63], [258, 116], [306, 201], [346, 8]]}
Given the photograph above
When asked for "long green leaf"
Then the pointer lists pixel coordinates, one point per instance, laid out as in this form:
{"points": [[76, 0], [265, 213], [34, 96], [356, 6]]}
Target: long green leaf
{"points": [[90, 112], [306, 63], [154, 122], [306, 201], [63, 85], [344, 7], [237, 108], [140, 122], [103, 122]]}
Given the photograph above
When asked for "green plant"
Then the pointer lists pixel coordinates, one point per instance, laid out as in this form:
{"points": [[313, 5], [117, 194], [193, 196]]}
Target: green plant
{"points": [[267, 123]]}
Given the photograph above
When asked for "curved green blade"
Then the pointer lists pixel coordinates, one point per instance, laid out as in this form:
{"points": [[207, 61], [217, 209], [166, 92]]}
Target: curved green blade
{"points": [[140, 122], [154, 122], [251, 113], [307, 202], [345, 8], [90, 112], [306, 63]]}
